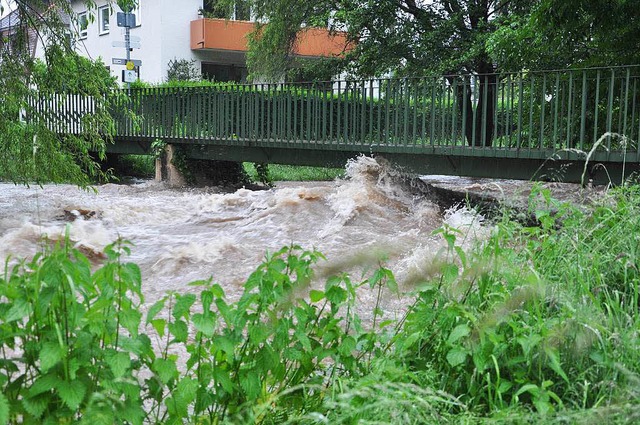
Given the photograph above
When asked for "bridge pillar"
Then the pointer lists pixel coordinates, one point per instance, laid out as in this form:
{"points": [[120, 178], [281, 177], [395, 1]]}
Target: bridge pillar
{"points": [[166, 171]]}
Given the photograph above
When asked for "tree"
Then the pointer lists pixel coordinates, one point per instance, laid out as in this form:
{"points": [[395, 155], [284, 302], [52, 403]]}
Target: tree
{"points": [[31, 149], [570, 33], [404, 37]]}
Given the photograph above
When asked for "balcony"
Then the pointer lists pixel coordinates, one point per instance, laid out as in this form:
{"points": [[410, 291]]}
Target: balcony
{"points": [[224, 36]]}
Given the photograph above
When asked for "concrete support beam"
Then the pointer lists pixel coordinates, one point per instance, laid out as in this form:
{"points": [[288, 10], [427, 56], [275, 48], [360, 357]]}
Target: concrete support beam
{"points": [[166, 171]]}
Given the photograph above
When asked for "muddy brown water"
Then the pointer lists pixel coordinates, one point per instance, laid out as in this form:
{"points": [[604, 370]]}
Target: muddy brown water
{"points": [[182, 235]]}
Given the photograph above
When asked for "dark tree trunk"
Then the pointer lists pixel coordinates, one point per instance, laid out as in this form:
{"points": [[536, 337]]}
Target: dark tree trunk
{"points": [[485, 109], [484, 105], [465, 107]]}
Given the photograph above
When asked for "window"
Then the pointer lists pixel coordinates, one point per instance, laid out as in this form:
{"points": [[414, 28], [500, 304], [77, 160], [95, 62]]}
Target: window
{"points": [[238, 10], [104, 14], [83, 25], [242, 12]]}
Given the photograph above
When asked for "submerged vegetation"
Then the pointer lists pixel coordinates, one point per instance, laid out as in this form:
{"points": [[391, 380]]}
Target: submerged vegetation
{"points": [[531, 324]]}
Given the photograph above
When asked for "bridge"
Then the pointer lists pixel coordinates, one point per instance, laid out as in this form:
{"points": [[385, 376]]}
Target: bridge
{"points": [[554, 125]]}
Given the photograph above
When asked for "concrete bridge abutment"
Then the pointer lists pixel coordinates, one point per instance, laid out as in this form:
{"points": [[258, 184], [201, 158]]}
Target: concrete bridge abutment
{"points": [[167, 171], [177, 167]]}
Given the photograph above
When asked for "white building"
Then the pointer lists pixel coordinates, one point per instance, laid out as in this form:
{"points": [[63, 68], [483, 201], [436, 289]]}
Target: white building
{"points": [[174, 29], [161, 25]]}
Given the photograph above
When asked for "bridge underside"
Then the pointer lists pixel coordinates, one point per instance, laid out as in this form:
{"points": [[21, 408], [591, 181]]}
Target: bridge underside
{"points": [[602, 168]]}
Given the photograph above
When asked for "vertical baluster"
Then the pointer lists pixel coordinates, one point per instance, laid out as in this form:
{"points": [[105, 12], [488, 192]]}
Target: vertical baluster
{"points": [[370, 104], [583, 110], [432, 126], [520, 100], [633, 109], [494, 100], [331, 102], [626, 102], [454, 112], [483, 128], [474, 114], [387, 112], [610, 107], [465, 94], [570, 111], [363, 111], [556, 111], [407, 110], [423, 109], [531, 106], [543, 100], [444, 108]]}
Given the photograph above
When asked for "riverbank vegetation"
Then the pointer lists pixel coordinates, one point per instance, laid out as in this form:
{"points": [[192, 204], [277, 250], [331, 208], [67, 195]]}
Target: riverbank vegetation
{"points": [[532, 324]]}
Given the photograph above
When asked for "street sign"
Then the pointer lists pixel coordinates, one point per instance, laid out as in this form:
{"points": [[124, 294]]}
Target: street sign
{"points": [[127, 20], [129, 76], [134, 38], [130, 65], [132, 45], [122, 61]]}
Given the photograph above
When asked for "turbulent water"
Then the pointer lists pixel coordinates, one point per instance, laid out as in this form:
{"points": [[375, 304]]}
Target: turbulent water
{"points": [[190, 234]]}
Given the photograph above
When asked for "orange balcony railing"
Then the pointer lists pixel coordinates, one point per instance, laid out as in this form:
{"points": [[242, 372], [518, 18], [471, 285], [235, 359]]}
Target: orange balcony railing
{"points": [[224, 35]]}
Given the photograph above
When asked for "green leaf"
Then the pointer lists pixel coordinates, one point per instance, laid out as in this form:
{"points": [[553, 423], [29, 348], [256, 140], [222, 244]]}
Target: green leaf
{"points": [[71, 393], [554, 363], [206, 298], [130, 320], [456, 356], [179, 330], [250, 383], [50, 354], [159, 325], [304, 339], [165, 369], [20, 309], [217, 290], [410, 340], [4, 410], [259, 333], [119, 363], [44, 384], [316, 295], [222, 377], [336, 295], [35, 406], [206, 325], [458, 332], [225, 344], [504, 387], [183, 305], [155, 309], [183, 395], [131, 275], [347, 346], [449, 273]]}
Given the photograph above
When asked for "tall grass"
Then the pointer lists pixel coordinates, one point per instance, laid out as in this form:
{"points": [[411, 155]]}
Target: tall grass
{"points": [[279, 172], [532, 325]]}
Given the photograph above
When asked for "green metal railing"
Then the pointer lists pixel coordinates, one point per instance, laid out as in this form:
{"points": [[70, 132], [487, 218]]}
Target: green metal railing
{"points": [[530, 113]]}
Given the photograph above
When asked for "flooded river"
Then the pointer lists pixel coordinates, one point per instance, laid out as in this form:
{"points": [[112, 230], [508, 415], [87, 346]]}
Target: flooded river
{"points": [[182, 235]]}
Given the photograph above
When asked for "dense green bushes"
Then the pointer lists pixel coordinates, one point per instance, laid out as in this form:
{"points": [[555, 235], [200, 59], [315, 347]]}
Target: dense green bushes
{"points": [[535, 322]]}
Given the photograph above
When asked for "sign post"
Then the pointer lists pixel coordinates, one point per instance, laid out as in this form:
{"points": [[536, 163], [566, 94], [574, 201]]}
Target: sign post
{"points": [[127, 20]]}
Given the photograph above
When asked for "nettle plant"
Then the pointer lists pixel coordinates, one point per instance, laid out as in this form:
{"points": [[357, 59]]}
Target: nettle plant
{"points": [[73, 350]]}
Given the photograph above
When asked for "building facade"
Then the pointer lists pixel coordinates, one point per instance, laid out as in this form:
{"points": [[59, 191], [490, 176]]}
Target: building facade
{"points": [[168, 30]]}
